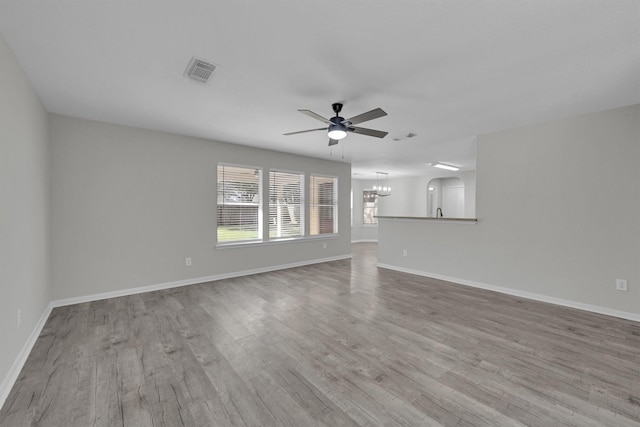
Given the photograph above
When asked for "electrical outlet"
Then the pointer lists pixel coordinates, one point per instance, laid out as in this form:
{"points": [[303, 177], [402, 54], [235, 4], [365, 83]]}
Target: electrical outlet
{"points": [[324, 246], [19, 317], [187, 261], [404, 252], [621, 285]]}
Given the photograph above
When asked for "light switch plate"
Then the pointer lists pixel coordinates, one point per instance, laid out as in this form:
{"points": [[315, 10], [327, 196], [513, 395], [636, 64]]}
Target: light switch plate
{"points": [[621, 285]]}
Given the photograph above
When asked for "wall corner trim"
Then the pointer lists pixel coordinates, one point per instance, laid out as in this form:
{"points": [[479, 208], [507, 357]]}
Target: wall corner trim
{"points": [[523, 294], [12, 375]]}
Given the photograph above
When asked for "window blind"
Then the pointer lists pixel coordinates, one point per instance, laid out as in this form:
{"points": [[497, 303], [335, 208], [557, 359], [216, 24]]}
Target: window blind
{"points": [[323, 205], [286, 201], [239, 206]]}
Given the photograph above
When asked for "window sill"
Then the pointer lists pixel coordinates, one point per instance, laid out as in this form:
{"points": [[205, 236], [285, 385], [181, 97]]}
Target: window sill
{"points": [[236, 245]]}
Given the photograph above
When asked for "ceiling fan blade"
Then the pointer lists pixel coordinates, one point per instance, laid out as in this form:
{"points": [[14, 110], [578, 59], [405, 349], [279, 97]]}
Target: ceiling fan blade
{"points": [[368, 132], [332, 142], [369, 115], [315, 116], [304, 131]]}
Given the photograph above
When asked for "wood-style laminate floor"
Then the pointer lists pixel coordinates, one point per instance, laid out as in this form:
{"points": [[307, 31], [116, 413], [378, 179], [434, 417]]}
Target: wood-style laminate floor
{"points": [[336, 344]]}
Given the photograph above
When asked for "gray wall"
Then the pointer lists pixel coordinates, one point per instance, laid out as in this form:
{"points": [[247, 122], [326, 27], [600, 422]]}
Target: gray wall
{"points": [[558, 207], [129, 205], [24, 210]]}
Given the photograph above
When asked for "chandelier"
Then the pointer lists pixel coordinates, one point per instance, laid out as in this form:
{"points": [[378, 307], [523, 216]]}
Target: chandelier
{"points": [[381, 188]]}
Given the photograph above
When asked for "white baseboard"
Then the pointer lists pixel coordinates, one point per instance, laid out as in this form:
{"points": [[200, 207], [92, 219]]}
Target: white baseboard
{"points": [[528, 295], [186, 282], [12, 375], [365, 241]]}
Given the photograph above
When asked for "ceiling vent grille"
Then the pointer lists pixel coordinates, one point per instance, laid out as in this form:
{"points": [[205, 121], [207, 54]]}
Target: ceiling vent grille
{"points": [[199, 70]]}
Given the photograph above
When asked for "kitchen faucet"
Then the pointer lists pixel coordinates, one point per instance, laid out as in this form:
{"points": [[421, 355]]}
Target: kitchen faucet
{"points": [[439, 210]]}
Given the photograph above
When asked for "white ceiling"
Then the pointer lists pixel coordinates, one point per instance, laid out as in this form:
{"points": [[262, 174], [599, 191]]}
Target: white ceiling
{"points": [[445, 70]]}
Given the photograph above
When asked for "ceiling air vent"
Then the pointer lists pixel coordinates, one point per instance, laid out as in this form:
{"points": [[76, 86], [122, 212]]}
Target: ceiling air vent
{"points": [[199, 70]]}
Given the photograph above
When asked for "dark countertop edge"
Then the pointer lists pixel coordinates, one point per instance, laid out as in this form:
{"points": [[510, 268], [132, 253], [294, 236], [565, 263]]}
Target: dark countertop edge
{"points": [[429, 218]]}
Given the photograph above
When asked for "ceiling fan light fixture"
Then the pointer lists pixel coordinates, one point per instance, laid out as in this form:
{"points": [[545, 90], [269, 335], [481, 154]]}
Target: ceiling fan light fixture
{"points": [[339, 127], [337, 131]]}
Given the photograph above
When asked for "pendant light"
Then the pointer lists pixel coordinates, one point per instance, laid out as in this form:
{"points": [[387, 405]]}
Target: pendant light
{"points": [[381, 188]]}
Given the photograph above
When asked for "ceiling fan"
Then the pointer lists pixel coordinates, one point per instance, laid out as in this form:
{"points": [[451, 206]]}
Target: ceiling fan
{"points": [[339, 126]]}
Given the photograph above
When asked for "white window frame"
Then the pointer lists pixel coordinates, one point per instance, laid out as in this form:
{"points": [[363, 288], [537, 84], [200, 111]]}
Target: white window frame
{"points": [[224, 197], [374, 209], [278, 201], [317, 206]]}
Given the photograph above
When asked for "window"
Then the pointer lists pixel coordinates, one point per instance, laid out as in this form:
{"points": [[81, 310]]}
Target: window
{"points": [[239, 206], [323, 205], [286, 201], [241, 215], [369, 207]]}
